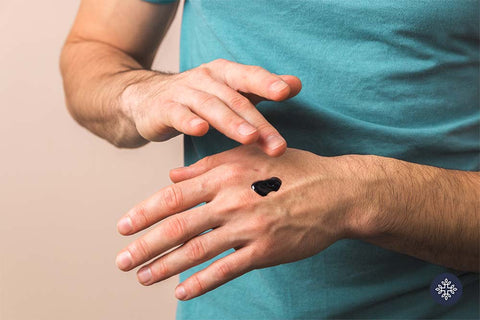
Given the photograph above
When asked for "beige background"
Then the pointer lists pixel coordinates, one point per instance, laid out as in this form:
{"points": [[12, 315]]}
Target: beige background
{"points": [[62, 189]]}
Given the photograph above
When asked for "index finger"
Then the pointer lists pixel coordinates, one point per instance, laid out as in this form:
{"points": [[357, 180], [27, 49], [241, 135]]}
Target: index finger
{"points": [[270, 139], [254, 80]]}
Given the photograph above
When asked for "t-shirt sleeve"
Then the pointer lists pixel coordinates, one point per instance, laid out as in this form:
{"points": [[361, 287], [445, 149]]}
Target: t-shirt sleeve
{"points": [[160, 1]]}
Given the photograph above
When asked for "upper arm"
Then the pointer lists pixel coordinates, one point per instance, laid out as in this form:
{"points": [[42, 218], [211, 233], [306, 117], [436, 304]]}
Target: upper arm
{"points": [[134, 26]]}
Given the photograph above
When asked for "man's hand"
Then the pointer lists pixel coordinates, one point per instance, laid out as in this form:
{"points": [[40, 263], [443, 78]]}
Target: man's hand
{"points": [[303, 217], [110, 90], [426, 212], [162, 106]]}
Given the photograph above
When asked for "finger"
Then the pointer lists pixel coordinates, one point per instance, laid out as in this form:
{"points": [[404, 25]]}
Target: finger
{"points": [[184, 120], [295, 88], [251, 79], [169, 200], [294, 82], [202, 166], [270, 140], [219, 272], [185, 173], [219, 115], [171, 232], [179, 174], [195, 251]]}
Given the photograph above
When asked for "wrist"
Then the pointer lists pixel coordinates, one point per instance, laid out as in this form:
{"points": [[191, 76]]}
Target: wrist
{"points": [[374, 187], [134, 87], [133, 91]]}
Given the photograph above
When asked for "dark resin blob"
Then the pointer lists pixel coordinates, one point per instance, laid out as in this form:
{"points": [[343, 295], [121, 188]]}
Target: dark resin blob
{"points": [[263, 187]]}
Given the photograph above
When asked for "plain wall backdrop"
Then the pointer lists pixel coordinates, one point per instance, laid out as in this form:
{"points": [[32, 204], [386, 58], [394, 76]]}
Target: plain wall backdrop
{"points": [[62, 189]]}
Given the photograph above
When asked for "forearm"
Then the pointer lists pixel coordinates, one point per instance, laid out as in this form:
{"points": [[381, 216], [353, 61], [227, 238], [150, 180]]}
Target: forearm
{"points": [[94, 76], [423, 211]]}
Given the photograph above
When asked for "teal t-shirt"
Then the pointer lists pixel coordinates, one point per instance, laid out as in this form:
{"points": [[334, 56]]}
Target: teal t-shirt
{"points": [[397, 78]]}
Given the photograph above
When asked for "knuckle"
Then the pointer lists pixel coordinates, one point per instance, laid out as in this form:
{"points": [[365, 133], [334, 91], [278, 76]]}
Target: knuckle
{"points": [[219, 62], [172, 197], [232, 121], [139, 216], [202, 72], [223, 269], [195, 250], [175, 227], [197, 285], [235, 167], [262, 250], [240, 103], [256, 70], [206, 186], [207, 100], [233, 171], [159, 269], [260, 224], [232, 207], [254, 259], [266, 128], [141, 248], [246, 200]]}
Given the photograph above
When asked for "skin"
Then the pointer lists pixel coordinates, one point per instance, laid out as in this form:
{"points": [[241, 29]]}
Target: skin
{"points": [[385, 201], [110, 91], [422, 211]]}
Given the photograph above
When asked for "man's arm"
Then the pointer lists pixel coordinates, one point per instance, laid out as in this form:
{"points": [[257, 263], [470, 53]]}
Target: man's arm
{"points": [[110, 91], [423, 211], [109, 40]]}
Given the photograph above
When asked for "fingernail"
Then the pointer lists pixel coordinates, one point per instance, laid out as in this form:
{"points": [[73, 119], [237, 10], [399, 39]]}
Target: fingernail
{"points": [[275, 141], [279, 85], [245, 129], [124, 260], [125, 225], [144, 275], [180, 293], [195, 122]]}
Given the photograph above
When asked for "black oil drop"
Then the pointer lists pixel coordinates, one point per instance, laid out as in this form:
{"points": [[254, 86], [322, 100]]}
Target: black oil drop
{"points": [[263, 187]]}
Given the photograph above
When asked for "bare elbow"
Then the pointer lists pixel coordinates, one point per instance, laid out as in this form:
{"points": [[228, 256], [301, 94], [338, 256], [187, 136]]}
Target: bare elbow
{"points": [[89, 101], [67, 77], [128, 143]]}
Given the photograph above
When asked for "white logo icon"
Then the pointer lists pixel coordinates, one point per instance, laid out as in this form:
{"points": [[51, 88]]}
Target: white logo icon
{"points": [[446, 289]]}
